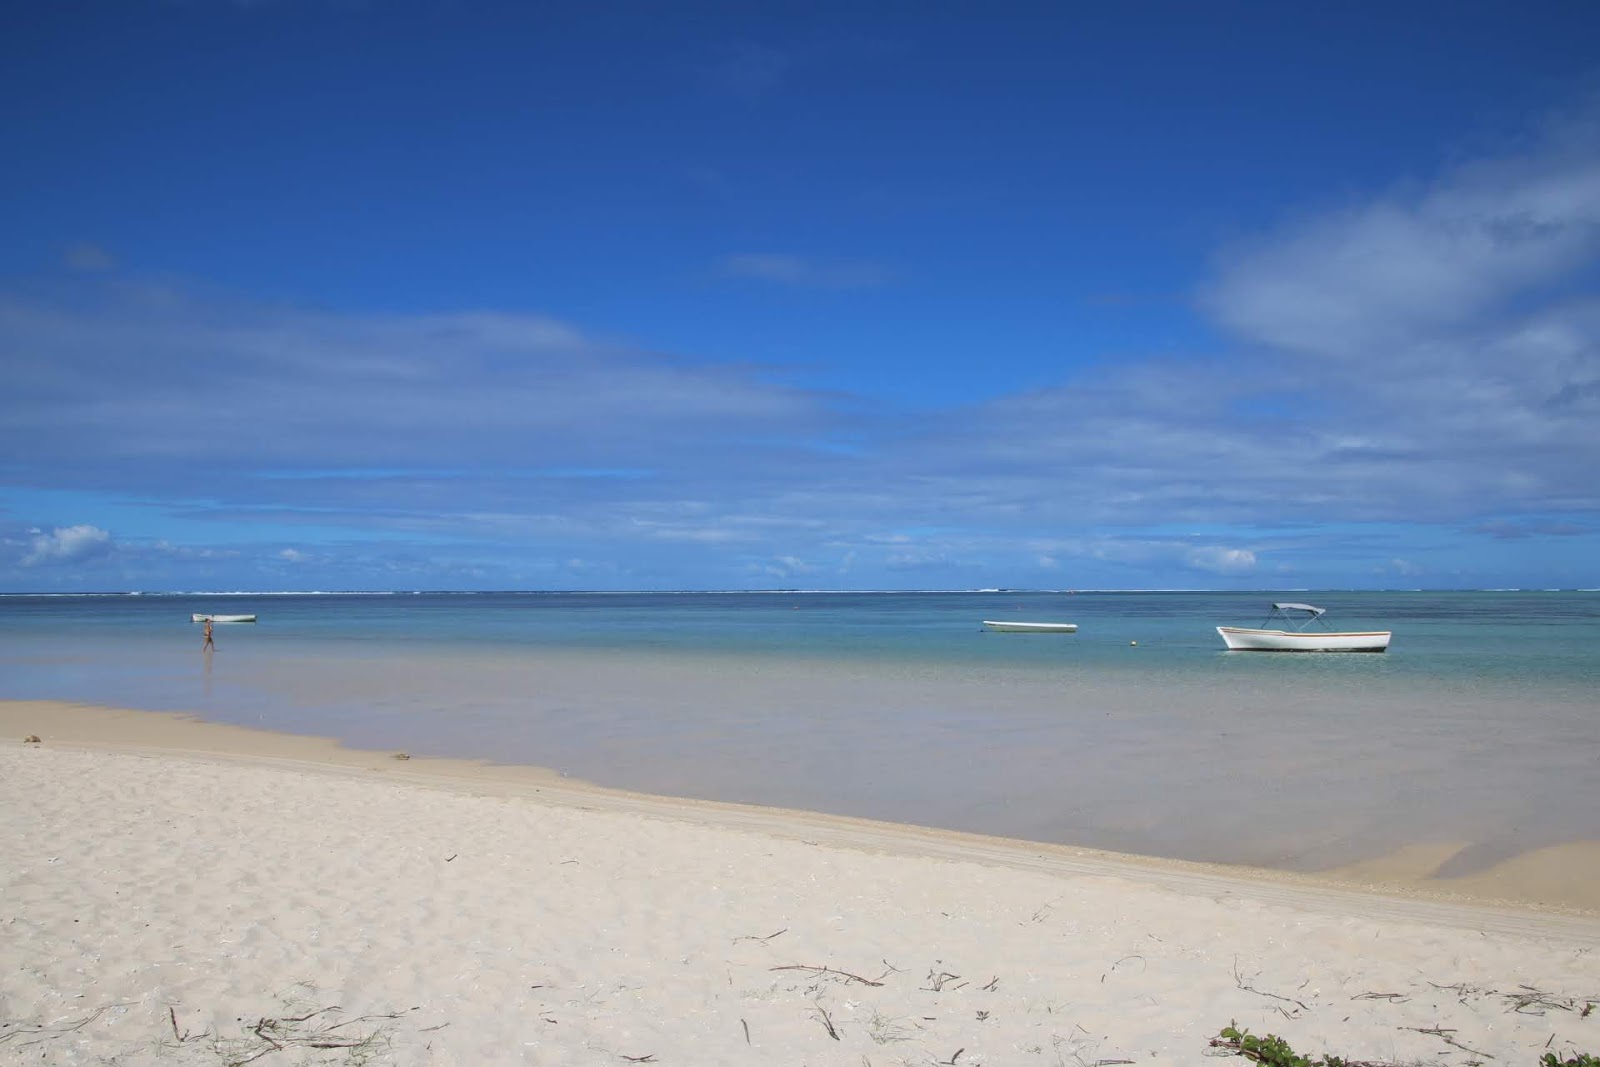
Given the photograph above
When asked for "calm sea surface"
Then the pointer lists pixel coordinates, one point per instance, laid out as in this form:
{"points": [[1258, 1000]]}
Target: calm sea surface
{"points": [[1139, 733]]}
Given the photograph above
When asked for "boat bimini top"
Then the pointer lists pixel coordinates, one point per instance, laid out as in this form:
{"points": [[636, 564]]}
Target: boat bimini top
{"points": [[1290, 613]]}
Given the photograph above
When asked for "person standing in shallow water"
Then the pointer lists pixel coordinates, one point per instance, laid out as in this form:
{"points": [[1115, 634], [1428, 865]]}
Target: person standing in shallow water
{"points": [[208, 645]]}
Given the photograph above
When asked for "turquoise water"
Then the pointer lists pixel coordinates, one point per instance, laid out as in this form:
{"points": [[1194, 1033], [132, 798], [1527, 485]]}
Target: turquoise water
{"points": [[1138, 733]]}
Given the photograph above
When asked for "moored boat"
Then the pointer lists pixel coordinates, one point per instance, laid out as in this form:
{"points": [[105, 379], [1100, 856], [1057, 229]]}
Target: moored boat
{"points": [[1302, 639], [1030, 627], [198, 617]]}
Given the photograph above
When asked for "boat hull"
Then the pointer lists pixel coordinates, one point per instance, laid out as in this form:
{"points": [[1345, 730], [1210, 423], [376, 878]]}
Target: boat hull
{"points": [[1030, 627], [1241, 639], [197, 617]]}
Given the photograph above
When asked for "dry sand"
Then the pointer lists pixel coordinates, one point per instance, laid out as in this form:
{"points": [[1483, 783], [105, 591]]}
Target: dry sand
{"points": [[174, 892]]}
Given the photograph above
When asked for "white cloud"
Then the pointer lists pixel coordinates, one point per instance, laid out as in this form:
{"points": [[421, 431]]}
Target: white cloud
{"points": [[1431, 356], [174, 376], [68, 544], [1361, 282], [1219, 560], [786, 567]]}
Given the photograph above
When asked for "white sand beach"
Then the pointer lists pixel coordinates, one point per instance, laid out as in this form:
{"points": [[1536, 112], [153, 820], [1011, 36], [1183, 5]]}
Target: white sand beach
{"points": [[175, 892]]}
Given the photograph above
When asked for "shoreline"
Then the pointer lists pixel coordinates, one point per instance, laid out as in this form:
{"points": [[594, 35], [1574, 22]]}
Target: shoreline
{"points": [[181, 892], [1547, 882], [903, 712]]}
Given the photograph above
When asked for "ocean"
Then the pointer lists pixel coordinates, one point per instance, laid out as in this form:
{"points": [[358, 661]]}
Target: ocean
{"points": [[1139, 733]]}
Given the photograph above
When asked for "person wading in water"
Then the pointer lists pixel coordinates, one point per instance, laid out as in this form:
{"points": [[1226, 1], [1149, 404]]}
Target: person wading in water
{"points": [[208, 645]]}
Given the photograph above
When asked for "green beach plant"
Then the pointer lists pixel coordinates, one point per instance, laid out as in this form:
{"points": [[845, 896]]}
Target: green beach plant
{"points": [[1271, 1050], [1274, 1051]]}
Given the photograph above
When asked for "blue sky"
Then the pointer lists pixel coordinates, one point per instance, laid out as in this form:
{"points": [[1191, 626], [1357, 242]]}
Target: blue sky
{"points": [[326, 294]]}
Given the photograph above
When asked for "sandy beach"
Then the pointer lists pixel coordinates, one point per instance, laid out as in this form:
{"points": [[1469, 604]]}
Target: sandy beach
{"points": [[174, 891]]}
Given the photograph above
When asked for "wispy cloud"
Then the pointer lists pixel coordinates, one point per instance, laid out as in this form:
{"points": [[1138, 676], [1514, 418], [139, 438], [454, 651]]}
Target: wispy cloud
{"points": [[1446, 334], [190, 388], [68, 545], [1394, 273], [1421, 358], [1517, 531], [1220, 560]]}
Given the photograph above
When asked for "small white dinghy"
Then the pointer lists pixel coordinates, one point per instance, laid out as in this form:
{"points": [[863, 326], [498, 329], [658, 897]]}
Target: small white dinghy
{"points": [[197, 617], [1030, 627], [1301, 639]]}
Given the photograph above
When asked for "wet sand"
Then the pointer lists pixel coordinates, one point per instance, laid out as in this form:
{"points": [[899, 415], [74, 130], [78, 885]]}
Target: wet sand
{"points": [[1322, 767], [175, 891], [1555, 878]]}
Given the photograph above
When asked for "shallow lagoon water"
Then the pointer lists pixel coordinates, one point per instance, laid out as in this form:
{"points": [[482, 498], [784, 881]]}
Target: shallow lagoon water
{"points": [[1479, 726]]}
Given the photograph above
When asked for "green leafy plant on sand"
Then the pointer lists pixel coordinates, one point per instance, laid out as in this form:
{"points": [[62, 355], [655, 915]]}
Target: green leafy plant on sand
{"points": [[1274, 1051], [1271, 1050]]}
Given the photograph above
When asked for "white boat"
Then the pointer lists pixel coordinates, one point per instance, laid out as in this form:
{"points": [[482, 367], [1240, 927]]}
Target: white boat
{"points": [[1302, 639], [1030, 627], [223, 618]]}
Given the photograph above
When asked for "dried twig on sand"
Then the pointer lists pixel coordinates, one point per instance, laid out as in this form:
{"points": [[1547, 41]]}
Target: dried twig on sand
{"points": [[827, 1021], [846, 975], [1242, 984], [41, 1034], [313, 1030], [1445, 1034], [301, 1032], [1530, 1001]]}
